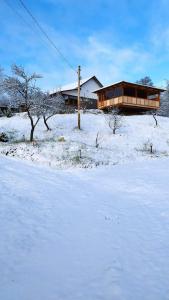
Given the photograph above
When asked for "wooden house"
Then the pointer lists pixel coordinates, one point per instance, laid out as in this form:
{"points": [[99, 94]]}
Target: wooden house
{"points": [[129, 96], [87, 95]]}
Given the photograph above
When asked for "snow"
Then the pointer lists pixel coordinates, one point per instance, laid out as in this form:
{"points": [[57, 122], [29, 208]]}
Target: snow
{"points": [[60, 148], [90, 226], [84, 234], [136, 84], [71, 86]]}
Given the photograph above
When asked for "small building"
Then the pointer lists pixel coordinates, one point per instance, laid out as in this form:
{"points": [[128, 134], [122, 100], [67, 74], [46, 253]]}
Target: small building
{"points": [[129, 96], [87, 95], [4, 109]]}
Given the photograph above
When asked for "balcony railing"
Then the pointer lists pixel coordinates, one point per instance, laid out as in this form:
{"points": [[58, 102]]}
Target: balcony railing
{"points": [[130, 101]]}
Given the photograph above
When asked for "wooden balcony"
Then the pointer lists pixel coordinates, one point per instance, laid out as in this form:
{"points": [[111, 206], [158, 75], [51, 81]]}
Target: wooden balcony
{"points": [[125, 101], [129, 96]]}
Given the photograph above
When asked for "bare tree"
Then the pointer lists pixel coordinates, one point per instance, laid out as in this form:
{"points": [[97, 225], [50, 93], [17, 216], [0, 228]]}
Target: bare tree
{"points": [[114, 119], [145, 81], [51, 106], [154, 114], [21, 87]]}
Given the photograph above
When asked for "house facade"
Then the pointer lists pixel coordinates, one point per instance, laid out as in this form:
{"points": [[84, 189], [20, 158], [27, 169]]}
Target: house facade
{"points": [[129, 96], [89, 99]]}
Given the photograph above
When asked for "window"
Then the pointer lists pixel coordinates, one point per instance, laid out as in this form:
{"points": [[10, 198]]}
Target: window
{"points": [[153, 97], [142, 94], [113, 93], [130, 92]]}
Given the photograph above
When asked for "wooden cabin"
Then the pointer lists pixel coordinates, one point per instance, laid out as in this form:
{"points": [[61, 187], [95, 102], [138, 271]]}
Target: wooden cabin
{"points": [[129, 96]]}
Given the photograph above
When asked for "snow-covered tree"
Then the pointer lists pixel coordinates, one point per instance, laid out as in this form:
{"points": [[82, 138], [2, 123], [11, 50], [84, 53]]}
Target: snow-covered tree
{"points": [[114, 119], [164, 106], [51, 106], [6, 106], [1, 72], [145, 81], [1, 81], [4, 98], [22, 89]]}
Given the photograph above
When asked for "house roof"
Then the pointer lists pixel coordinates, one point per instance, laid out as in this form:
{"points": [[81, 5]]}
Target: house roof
{"points": [[152, 88], [74, 85]]}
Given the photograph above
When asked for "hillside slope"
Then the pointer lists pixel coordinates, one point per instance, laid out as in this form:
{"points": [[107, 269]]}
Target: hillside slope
{"points": [[66, 147], [84, 234]]}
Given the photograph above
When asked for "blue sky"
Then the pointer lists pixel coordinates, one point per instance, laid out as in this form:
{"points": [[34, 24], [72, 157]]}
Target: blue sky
{"points": [[114, 40]]}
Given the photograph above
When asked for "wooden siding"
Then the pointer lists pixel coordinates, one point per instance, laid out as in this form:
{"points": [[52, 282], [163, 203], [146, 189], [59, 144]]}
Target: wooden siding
{"points": [[130, 101]]}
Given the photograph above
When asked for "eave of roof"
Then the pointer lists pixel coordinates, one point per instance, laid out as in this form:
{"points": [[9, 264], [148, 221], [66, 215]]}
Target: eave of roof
{"points": [[132, 84]]}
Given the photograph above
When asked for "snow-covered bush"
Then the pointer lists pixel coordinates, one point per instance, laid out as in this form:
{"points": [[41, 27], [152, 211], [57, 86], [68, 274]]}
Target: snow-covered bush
{"points": [[114, 119], [148, 147]]}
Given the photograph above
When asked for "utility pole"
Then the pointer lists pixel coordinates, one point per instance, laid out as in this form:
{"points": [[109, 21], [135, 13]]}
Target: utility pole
{"points": [[78, 99]]}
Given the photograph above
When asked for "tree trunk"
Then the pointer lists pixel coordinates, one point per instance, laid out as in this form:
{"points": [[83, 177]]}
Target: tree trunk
{"points": [[154, 116], [32, 134], [46, 124], [33, 125], [114, 130]]}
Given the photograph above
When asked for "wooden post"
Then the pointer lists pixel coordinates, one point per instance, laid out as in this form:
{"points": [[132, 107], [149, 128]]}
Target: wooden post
{"points": [[122, 93], [78, 99], [98, 100]]}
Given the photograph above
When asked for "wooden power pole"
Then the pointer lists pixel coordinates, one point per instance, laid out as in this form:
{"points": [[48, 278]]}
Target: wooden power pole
{"points": [[78, 99]]}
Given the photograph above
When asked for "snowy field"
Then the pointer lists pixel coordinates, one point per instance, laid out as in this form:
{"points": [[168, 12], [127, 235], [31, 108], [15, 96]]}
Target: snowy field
{"points": [[67, 147], [84, 223], [84, 234]]}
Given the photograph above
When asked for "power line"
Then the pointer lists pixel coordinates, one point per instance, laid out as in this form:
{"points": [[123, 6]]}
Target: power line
{"points": [[25, 22], [16, 12], [20, 16], [46, 35]]}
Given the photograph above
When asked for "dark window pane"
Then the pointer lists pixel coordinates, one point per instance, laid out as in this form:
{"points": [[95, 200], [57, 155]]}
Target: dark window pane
{"points": [[113, 93], [130, 92], [141, 94]]}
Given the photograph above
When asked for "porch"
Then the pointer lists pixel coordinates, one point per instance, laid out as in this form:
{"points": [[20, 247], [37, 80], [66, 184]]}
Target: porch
{"points": [[126, 101], [131, 95]]}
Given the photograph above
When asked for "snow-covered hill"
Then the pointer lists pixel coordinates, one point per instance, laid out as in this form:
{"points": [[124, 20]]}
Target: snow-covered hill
{"points": [[65, 146], [81, 233], [84, 234]]}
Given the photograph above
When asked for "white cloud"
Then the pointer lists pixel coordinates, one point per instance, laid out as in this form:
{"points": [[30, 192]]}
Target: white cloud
{"points": [[112, 63], [95, 53], [160, 39]]}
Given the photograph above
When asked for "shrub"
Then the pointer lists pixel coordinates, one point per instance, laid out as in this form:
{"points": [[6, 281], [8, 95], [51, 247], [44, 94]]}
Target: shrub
{"points": [[3, 137], [61, 139]]}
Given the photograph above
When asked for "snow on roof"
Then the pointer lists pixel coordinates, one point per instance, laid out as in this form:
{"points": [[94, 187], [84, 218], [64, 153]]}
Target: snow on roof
{"points": [[131, 83], [74, 85]]}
